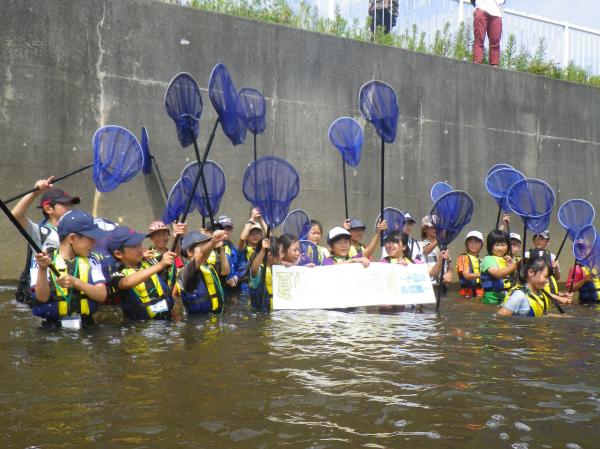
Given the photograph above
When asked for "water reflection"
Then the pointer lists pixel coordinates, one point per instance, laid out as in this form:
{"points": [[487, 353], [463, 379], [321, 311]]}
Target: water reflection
{"points": [[314, 379]]}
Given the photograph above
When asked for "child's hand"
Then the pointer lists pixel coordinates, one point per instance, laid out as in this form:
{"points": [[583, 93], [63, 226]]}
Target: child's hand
{"points": [[43, 185], [180, 228], [555, 265], [232, 282], [255, 214], [148, 254], [219, 236], [448, 276], [364, 261], [381, 226], [168, 258], [43, 260], [66, 281], [266, 244], [567, 298], [346, 224], [506, 219], [445, 254]]}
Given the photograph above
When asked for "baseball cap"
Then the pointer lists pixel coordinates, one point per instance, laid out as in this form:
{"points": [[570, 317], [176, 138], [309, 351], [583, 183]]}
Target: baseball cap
{"points": [[54, 195], [475, 234], [545, 234], [515, 236], [336, 233], [192, 238], [429, 220], [157, 226], [355, 223], [408, 217], [225, 221], [78, 222], [124, 237], [256, 226]]}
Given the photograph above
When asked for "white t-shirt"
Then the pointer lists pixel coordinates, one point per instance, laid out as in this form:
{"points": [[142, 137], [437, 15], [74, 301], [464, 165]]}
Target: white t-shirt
{"points": [[492, 7]]}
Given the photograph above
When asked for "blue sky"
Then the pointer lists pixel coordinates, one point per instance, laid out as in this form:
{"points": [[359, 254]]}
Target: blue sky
{"points": [[578, 12]]}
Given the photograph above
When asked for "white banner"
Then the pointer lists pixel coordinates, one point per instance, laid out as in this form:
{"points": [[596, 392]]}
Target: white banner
{"points": [[351, 285]]}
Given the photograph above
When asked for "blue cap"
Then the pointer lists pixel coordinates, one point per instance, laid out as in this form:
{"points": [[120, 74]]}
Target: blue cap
{"points": [[191, 238], [122, 237], [355, 223], [78, 222]]}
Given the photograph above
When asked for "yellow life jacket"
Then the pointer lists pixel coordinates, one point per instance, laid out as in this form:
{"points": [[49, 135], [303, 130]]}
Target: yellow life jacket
{"points": [[210, 290], [144, 290], [337, 259], [473, 268], [590, 291], [64, 297], [353, 252], [490, 283], [551, 286]]}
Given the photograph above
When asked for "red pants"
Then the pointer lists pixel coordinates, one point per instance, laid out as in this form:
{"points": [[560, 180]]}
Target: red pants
{"points": [[484, 23]]}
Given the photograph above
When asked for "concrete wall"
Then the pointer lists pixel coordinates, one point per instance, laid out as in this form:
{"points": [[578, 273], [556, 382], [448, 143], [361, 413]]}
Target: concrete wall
{"points": [[68, 67]]}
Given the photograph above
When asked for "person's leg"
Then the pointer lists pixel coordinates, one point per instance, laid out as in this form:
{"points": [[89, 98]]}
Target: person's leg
{"points": [[479, 30], [494, 31], [387, 21]]}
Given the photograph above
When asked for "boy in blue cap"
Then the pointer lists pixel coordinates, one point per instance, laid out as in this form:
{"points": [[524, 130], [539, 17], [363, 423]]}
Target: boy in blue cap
{"points": [[145, 294], [72, 298]]}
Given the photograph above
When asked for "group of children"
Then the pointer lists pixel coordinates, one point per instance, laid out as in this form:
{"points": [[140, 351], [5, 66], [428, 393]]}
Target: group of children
{"points": [[157, 282]]}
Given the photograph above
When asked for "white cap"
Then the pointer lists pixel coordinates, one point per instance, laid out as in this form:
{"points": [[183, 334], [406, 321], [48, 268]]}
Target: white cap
{"points": [[476, 234], [335, 233], [514, 235]]}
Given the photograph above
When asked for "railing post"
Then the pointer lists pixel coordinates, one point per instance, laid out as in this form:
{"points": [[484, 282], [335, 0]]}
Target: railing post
{"points": [[461, 12], [566, 47]]}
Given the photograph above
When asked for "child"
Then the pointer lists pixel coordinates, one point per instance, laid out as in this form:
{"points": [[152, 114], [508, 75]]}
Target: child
{"points": [[250, 238], [531, 299], [396, 247], [146, 294], [289, 250], [339, 246], [541, 241], [357, 232], [430, 250], [416, 253], [496, 268], [586, 282], [230, 251], [159, 234], [54, 203], [218, 257], [72, 298], [467, 266], [198, 284], [259, 298], [314, 235]]}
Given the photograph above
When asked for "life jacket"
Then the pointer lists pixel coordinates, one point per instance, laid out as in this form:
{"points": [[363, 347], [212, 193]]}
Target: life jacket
{"points": [[66, 302], [24, 292], [590, 291], [473, 263], [490, 283], [138, 302], [404, 260], [208, 295], [538, 304], [259, 299], [354, 251], [337, 259]]}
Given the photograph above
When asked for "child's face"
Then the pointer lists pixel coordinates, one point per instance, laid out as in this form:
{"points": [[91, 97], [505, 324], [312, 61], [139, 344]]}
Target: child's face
{"points": [[340, 247], [254, 237], [540, 242], [160, 239], [314, 235], [408, 227], [293, 253], [539, 279], [474, 245], [130, 255], [357, 234], [394, 249], [81, 244], [430, 232], [516, 246], [500, 249]]}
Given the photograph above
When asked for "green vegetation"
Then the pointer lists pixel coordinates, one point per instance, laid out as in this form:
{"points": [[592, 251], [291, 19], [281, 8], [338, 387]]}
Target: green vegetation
{"points": [[458, 45]]}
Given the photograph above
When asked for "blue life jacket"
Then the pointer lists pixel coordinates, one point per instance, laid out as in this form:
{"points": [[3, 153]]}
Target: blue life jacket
{"points": [[207, 296]]}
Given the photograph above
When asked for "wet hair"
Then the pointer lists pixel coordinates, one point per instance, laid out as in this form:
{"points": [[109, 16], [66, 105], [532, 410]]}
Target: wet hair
{"points": [[535, 264], [317, 223], [285, 241], [400, 237], [497, 236]]}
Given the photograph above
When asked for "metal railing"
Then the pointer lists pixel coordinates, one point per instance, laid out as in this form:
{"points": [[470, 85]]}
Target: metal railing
{"points": [[564, 42]]}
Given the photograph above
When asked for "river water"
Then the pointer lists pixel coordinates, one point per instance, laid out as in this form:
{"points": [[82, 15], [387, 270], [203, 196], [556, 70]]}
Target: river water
{"points": [[314, 379]]}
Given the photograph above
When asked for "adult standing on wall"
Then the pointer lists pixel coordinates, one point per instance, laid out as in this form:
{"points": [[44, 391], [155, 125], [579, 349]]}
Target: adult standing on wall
{"points": [[487, 19], [383, 13]]}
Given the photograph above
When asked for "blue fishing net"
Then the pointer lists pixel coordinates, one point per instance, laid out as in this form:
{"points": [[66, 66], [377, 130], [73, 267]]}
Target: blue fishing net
{"points": [[297, 223], [347, 136], [271, 184], [574, 215], [539, 224], [184, 105], [255, 109], [379, 105], [176, 203], [396, 222], [118, 157], [532, 200], [450, 214], [228, 105], [440, 188], [499, 182], [214, 176], [493, 168], [147, 165], [309, 253], [586, 247]]}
